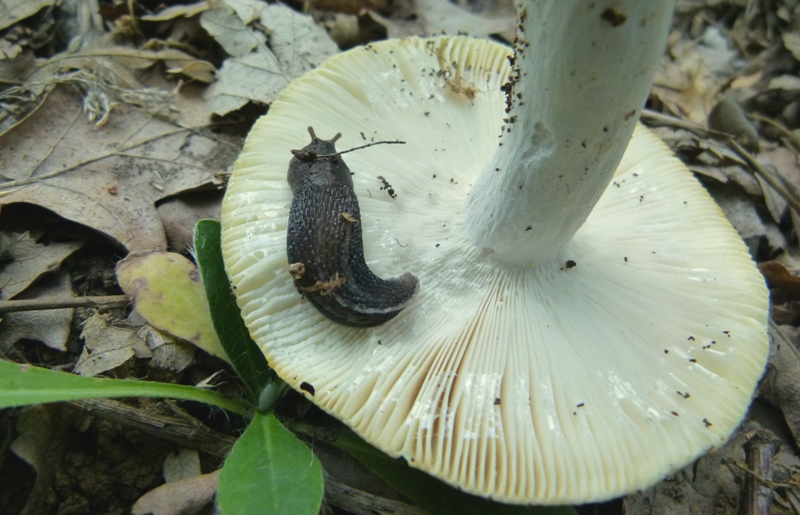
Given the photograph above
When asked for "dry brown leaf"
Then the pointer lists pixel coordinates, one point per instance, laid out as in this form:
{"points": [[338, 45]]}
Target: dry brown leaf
{"points": [[706, 486], [178, 497], [231, 32], [689, 79], [35, 428], [167, 352], [782, 284], [107, 346], [180, 213], [51, 327], [22, 261], [296, 45], [107, 178], [780, 384], [443, 17], [776, 204], [183, 465]]}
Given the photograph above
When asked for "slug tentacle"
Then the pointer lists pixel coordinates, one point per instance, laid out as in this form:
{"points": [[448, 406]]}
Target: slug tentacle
{"points": [[324, 244]]}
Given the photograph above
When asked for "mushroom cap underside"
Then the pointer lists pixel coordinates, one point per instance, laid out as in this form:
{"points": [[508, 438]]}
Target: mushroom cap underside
{"points": [[567, 382]]}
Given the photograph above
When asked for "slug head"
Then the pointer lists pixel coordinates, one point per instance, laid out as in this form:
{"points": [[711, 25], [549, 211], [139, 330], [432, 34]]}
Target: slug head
{"points": [[318, 163]]}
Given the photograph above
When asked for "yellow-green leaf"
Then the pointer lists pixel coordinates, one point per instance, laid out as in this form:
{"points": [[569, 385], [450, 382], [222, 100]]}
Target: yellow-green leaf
{"points": [[167, 291]]}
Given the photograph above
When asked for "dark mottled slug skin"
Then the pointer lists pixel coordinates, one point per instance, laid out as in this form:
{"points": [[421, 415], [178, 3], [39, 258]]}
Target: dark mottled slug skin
{"points": [[324, 243]]}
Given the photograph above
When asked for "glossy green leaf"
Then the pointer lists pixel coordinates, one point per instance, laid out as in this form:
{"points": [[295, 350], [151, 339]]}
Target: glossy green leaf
{"points": [[270, 471], [247, 358], [21, 385], [429, 493]]}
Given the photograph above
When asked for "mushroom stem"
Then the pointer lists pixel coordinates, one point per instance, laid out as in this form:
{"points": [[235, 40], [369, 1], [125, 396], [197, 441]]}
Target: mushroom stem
{"points": [[581, 73]]}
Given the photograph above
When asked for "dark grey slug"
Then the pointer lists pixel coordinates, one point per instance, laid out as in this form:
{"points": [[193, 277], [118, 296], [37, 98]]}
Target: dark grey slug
{"points": [[324, 245]]}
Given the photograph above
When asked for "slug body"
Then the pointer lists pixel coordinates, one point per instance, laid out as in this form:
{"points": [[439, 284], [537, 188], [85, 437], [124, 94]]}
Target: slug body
{"points": [[324, 243]]}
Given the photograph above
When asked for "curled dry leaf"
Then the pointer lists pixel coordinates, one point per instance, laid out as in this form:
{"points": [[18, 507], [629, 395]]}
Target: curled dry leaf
{"points": [[176, 11], [107, 178], [167, 291], [17, 10]]}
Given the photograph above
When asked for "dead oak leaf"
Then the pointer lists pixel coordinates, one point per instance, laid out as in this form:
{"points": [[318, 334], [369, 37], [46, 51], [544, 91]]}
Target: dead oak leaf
{"points": [[50, 326], [23, 261], [296, 45], [107, 178]]}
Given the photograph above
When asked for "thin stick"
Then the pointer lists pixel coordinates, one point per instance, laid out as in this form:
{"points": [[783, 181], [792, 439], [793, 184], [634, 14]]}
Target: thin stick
{"points": [[395, 142], [784, 188], [110, 301]]}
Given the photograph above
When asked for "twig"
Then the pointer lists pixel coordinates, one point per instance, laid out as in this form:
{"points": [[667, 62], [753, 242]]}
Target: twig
{"points": [[656, 118], [786, 190], [385, 142], [192, 434], [760, 451], [363, 503], [106, 302]]}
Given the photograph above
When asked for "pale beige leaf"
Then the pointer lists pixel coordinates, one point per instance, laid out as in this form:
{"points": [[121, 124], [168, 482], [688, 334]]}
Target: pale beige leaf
{"points": [[175, 11], [183, 465], [296, 45], [791, 40], [247, 10], [167, 352], [776, 204], [785, 82], [230, 32], [106, 346], [179, 497], [443, 17], [13, 11], [35, 429]]}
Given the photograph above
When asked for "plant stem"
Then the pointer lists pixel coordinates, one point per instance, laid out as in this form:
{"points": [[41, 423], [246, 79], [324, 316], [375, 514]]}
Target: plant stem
{"points": [[581, 72]]}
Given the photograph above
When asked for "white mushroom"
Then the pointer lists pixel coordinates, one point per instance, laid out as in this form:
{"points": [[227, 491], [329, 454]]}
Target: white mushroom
{"points": [[583, 326]]}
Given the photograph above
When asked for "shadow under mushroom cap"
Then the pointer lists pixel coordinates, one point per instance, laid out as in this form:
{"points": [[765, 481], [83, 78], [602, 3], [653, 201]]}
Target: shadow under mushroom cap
{"points": [[551, 384]]}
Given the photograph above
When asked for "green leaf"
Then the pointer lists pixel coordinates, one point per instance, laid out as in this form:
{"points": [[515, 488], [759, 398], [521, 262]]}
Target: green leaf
{"points": [[247, 358], [429, 493], [21, 385], [271, 471], [167, 291]]}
